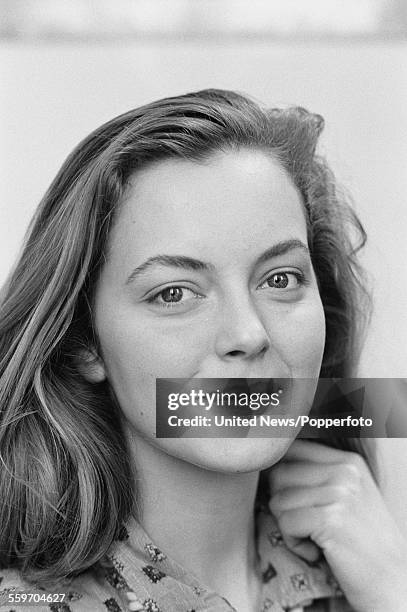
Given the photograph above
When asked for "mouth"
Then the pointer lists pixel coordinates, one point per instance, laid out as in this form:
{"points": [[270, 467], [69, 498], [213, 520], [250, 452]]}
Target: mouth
{"points": [[244, 389], [251, 385], [240, 385], [235, 394]]}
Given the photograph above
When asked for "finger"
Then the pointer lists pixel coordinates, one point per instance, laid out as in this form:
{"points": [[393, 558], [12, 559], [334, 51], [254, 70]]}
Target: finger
{"points": [[303, 523], [303, 497], [303, 547], [303, 605], [135, 605], [298, 474], [305, 450]]}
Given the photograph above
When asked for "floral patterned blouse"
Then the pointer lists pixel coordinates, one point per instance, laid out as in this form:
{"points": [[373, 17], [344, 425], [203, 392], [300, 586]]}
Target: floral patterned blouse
{"points": [[135, 564]]}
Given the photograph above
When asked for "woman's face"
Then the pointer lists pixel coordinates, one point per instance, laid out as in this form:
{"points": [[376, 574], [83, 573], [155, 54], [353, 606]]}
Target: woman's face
{"points": [[208, 275]]}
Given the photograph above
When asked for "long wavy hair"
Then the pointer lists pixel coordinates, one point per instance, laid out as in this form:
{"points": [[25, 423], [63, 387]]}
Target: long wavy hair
{"points": [[65, 478]]}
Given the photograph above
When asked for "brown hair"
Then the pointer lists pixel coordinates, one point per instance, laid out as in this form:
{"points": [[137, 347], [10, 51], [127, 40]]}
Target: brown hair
{"points": [[65, 477]]}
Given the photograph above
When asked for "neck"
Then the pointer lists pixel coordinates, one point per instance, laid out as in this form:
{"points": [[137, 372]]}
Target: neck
{"points": [[203, 519]]}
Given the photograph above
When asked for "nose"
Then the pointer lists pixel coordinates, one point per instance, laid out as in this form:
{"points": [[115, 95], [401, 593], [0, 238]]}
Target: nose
{"points": [[241, 332]]}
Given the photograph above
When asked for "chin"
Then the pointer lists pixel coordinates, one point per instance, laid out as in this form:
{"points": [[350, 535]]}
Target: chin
{"points": [[234, 456]]}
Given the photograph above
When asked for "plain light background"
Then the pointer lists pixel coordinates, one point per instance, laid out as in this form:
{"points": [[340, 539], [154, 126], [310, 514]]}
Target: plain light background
{"points": [[53, 94]]}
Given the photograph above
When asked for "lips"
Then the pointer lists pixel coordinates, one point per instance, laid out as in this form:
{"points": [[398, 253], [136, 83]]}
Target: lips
{"points": [[250, 385], [244, 387], [236, 385]]}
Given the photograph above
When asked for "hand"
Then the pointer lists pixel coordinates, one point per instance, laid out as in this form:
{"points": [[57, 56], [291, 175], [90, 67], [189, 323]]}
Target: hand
{"points": [[327, 498], [135, 605]]}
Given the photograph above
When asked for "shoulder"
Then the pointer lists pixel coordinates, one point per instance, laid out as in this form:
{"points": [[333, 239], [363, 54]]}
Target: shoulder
{"points": [[88, 592]]}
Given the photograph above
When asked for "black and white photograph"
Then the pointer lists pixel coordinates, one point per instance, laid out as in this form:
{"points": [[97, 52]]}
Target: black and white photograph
{"points": [[203, 297]]}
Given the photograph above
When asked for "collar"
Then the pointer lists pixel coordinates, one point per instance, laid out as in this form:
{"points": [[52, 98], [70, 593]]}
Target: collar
{"points": [[135, 563]]}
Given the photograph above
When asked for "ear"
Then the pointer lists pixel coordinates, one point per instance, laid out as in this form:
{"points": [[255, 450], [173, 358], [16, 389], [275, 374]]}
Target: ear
{"points": [[91, 365]]}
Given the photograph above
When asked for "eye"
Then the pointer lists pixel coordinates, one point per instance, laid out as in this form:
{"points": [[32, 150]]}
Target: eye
{"points": [[171, 296], [283, 280]]}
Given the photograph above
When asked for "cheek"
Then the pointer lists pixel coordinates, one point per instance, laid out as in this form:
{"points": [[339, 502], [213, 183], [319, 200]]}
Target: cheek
{"points": [[135, 352], [300, 338], [154, 348]]}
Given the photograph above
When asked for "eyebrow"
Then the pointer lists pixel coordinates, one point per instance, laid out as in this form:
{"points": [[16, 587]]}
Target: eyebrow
{"points": [[190, 263]]}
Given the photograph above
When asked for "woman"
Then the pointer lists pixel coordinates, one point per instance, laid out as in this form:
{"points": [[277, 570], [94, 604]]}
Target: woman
{"points": [[196, 237]]}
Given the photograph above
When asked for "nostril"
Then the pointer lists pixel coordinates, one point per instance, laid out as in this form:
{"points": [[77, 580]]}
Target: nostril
{"points": [[235, 353]]}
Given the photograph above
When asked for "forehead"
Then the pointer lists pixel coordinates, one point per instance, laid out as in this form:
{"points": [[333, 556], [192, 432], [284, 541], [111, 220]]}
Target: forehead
{"points": [[230, 203]]}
